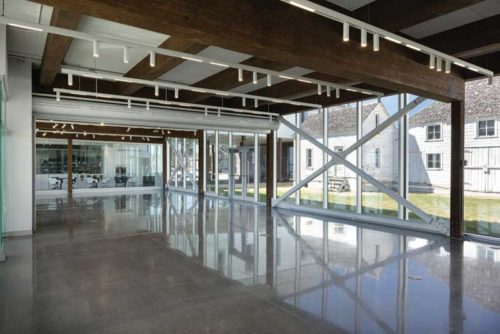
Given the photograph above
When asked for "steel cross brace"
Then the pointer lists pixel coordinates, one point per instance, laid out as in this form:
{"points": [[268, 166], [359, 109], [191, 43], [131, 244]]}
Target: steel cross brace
{"points": [[340, 159]]}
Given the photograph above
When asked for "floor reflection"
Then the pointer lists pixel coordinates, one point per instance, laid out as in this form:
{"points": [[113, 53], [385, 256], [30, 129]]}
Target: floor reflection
{"points": [[337, 274]]}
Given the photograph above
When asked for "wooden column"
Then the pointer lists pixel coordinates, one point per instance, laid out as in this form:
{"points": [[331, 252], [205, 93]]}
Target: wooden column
{"points": [[457, 170], [201, 165], [269, 168], [165, 167], [70, 166]]}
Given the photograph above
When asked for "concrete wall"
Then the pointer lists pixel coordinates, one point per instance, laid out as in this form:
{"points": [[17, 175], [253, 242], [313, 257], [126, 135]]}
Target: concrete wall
{"points": [[18, 151]]}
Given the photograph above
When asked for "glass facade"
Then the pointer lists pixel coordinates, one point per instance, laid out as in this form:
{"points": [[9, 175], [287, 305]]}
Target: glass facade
{"points": [[182, 163], [97, 165]]}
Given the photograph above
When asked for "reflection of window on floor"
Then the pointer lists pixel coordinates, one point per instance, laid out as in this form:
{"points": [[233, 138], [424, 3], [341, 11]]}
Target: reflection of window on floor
{"points": [[434, 132], [486, 128], [434, 161]]}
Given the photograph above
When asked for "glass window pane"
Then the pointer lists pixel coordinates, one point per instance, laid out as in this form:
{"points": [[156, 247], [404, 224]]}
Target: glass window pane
{"points": [[482, 172], [312, 193]]}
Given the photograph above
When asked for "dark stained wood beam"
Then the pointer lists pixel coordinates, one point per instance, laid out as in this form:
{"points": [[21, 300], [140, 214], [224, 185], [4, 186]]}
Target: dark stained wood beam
{"points": [[57, 46], [457, 169], [299, 38], [394, 15], [468, 41], [163, 63], [228, 79]]}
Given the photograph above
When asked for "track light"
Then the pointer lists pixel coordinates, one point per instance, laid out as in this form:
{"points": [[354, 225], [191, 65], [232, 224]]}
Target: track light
{"points": [[152, 59], [397, 41], [439, 64], [447, 66], [147, 138], [63, 126], [58, 96], [328, 91], [432, 62], [256, 103], [129, 104], [337, 93], [102, 123], [143, 138], [125, 55], [376, 42], [96, 48], [309, 9], [128, 130], [162, 132], [244, 102], [147, 105], [85, 133], [55, 126], [70, 79], [269, 80], [130, 137], [77, 135], [240, 75], [93, 135], [346, 32], [319, 89], [44, 134], [72, 127], [206, 113], [176, 93], [218, 112], [157, 90], [254, 78], [123, 137], [364, 38]]}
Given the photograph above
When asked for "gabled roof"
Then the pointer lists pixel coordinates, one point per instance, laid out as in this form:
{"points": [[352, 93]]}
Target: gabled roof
{"points": [[481, 101], [341, 120]]}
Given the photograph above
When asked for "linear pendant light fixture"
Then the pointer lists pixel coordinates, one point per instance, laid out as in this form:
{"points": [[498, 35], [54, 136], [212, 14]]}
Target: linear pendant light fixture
{"points": [[349, 22], [152, 50], [147, 102], [170, 85]]}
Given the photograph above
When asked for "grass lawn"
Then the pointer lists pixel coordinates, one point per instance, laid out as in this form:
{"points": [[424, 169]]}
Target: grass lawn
{"points": [[482, 213]]}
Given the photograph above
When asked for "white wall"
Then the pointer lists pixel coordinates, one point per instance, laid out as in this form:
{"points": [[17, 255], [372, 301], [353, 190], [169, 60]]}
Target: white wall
{"points": [[18, 156]]}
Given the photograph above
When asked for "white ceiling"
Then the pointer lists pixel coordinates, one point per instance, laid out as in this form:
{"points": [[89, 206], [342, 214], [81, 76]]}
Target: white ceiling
{"points": [[454, 19], [25, 43], [351, 4]]}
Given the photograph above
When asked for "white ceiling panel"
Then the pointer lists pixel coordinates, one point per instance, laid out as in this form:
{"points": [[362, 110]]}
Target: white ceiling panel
{"points": [[26, 43], [263, 82], [477, 12], [351, 4], [110, 58], [191, 72]]}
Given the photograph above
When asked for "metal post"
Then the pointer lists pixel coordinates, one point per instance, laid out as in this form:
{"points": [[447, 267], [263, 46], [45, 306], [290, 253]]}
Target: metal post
{"points": [[204, 166], [275, 164], [230, 179], [297, 162], [216, 165], [359, 156], [256, 168], [325, 158], [70, 166], [403, 157]]}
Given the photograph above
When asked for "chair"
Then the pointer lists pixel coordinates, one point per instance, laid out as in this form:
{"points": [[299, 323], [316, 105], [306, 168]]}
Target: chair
{"points": [[54, 183], [91, 181]]}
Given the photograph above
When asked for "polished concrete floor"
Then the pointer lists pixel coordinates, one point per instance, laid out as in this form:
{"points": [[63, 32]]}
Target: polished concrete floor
{"points": [[142, 263]]}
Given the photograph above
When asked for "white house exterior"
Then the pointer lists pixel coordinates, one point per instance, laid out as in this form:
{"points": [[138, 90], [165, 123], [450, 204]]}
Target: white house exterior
{"points": [[430, 141], [378, 155]]}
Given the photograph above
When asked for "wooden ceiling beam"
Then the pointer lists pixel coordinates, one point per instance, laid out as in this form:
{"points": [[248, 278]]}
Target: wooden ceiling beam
{"points": [[57, 46], [163, 63], [298, 38]]}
